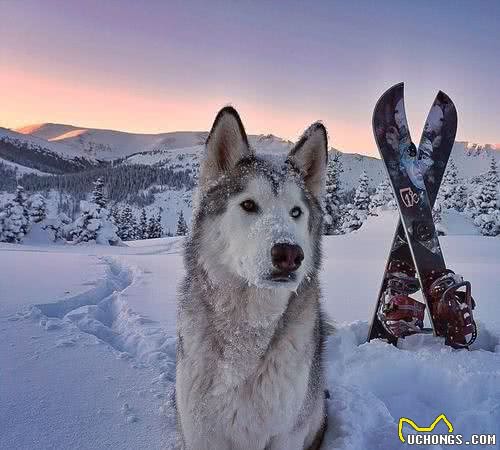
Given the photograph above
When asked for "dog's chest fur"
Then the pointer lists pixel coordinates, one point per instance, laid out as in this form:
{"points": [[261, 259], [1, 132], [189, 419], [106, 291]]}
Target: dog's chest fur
{"points": [[254, 343]]}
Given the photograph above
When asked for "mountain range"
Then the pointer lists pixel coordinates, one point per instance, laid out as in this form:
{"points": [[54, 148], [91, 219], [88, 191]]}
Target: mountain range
{"points": [[57, 148]]}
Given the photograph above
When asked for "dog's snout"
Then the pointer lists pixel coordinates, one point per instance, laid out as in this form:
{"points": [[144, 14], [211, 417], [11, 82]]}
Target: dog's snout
{"points": [[287, 257]]}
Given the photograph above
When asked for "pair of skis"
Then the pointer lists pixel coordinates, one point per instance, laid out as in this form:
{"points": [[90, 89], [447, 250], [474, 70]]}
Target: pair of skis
{"points": [[416, 261]]}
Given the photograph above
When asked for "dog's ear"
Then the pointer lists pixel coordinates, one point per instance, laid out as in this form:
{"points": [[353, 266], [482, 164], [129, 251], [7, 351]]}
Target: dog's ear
{"points": [[227, 143], [310, 156]]}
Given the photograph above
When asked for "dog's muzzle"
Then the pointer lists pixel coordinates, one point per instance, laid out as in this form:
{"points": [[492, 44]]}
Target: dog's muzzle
{"points": [[286, 259]]}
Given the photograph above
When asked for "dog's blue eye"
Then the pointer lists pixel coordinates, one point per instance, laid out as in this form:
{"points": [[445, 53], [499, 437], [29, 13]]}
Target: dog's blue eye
{"points": [[249, 206], [296, 212]]}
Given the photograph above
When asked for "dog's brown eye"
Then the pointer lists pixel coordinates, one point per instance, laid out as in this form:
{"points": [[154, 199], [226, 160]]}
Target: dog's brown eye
{"points": [[249, 206], [296, 212]]}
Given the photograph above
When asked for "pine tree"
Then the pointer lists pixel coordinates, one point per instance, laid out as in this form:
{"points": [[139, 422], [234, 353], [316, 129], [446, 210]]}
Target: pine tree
{"points": [[353, 218], [128, 224], [15, 218], [382, 198], [57, 226], [182, 228], [449, 186], [361, 197], [486, 203], [115, 216], [98, 193], [142, 231], [472, 203], [159, 227], [95, 223], [459, 199], [332, 194], [488, 223], [152, 227], [37, 208], [487, 194], [492, 174], [357, 212]]}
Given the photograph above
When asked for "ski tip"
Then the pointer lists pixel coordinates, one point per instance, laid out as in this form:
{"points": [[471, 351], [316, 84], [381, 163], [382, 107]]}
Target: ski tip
{"points": [[388, 97], [450, 110], [444, 97]]}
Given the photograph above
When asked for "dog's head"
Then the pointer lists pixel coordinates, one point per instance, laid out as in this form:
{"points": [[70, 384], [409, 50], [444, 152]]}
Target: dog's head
{"points": [[259, 218]]}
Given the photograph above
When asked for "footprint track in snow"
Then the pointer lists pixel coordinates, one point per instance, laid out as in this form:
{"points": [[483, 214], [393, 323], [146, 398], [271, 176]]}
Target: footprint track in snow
{"points": [[103, 312]]}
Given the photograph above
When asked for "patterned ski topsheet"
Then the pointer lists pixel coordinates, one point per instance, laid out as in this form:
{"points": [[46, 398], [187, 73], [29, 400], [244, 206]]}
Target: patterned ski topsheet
{"points": [[412, 171]]}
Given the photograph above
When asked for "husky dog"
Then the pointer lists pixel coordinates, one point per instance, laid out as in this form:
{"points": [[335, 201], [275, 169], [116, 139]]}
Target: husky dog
{"points": [[250, 329]]}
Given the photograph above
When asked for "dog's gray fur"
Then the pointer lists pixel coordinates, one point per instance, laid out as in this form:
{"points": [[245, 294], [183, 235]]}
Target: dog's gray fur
{"points": [[249, 350]]}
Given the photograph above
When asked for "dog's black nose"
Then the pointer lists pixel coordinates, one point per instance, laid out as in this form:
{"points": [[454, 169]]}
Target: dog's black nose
{"points": [[286, 257]]}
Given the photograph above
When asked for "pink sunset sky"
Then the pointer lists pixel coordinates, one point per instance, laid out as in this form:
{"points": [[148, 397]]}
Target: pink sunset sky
{"points": [[161, 66]]}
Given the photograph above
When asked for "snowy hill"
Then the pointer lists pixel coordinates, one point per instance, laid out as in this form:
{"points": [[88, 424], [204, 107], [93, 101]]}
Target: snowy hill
{"points": [[34, 141], [33, 152], [109, 144]]}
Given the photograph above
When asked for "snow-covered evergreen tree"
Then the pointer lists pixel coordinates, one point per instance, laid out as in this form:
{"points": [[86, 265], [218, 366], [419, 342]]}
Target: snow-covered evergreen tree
{"points": [[37, 208], [332, 194], [472, 202], [353, 218], [98, 193], [152, 227], [483, 205], [142, 230], [486, 202], [448, 187], [383, 198], [57, 227], [182, 228], [362, 197], [128, 225], [155, 229], [459, 199], [492, 174], [159, 227], [357, 212], [15, 219], [115, 216], [94, 223], [488, 223]]}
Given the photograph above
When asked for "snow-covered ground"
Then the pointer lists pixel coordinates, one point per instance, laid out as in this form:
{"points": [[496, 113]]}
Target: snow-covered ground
{"points": [[87, 345]]}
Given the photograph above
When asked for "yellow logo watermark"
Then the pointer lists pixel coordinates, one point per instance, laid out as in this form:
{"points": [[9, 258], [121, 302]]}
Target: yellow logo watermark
{"points": [[431, 438], [423, 429]]}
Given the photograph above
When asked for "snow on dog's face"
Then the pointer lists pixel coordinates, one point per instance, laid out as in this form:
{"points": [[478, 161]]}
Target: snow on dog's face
{"points": [[259, 218]]}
